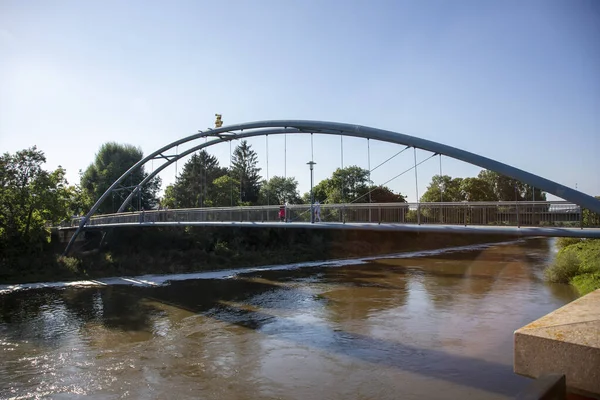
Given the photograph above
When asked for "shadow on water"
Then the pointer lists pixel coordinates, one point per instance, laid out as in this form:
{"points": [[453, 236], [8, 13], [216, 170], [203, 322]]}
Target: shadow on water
{"points": [[244, 301]]}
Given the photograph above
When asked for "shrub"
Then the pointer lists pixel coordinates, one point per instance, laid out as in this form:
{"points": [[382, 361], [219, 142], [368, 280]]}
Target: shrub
{"points": [[565, 267], [586, 283]]}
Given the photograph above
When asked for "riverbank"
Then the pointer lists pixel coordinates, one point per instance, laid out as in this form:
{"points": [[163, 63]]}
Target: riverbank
{"points": [[577, 263], [132, 252]]}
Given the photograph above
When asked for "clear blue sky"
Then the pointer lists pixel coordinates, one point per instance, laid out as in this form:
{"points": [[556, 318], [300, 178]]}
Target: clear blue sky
{"points": [[517, 81]]}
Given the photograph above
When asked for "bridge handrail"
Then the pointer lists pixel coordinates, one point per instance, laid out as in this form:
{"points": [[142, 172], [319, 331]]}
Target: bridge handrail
{"points": [[507, 207]]}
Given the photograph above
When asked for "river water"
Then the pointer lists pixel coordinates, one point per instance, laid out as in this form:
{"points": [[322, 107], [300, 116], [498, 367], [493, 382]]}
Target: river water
{"points": [[431, 325]]}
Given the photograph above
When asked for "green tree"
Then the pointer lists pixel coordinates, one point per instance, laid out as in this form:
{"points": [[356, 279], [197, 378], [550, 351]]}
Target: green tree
{"points": [[168, 199], [244, 169], [226, 192], [476, 189], [443, 188], [278, 190], [194, 186], [345, 185], [30, 197], [381, 194], [111, 161], [508, 189]]}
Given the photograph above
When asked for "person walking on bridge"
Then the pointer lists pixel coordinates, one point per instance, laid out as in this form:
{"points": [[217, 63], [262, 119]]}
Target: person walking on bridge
{"points": [[282, 213], [317, 211]]}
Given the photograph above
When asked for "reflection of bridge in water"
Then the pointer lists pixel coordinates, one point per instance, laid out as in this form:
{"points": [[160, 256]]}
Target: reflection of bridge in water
{"points": [[558, 219]]}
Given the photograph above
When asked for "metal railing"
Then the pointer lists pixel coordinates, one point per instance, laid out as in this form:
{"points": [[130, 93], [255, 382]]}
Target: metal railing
{"points": [[542, 214]]}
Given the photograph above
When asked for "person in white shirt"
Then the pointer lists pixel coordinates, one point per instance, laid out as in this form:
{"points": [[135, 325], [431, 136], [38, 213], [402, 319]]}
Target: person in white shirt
{"points": [[317, 211]]}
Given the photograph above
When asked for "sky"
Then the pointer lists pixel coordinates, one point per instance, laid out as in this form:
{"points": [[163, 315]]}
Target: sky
{"points": [[515, 81]]}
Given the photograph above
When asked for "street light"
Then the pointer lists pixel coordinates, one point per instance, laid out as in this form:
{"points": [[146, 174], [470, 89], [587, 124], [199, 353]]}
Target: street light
{"points": [[312, 200]]}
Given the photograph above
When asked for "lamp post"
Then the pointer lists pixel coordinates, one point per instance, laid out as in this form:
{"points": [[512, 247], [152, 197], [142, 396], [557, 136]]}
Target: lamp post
{"points": [[312, 200]]}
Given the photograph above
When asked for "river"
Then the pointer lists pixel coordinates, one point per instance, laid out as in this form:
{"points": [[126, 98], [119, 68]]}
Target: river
{"points": [[429, 325]]}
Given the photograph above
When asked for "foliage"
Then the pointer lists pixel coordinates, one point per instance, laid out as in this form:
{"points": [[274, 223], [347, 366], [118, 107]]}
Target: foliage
{"points": [[381, 194], [279, 190], [565, 267], [244, 168], [591, 219], [194, 186], [508, 189], [30, 197], [168, 199], [476, 189], [111, 161], [566, 241], [579, 264], [487, 186], [226, 192], [351, 185], [586, 283], [443, 188]]}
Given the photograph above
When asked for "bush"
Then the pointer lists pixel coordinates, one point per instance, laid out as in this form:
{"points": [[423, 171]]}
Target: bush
{"points": [[565, 267], [586, 283], [577, 263], [565, 241]]}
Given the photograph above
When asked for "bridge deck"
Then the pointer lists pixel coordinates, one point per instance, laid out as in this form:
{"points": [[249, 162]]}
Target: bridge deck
{"points": [[471, 229]]}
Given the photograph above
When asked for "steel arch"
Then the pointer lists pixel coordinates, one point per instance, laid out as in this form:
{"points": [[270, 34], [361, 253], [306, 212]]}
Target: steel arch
{"points": [[261, 128]]}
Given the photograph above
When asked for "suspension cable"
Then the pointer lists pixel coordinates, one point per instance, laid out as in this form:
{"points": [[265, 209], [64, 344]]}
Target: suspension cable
{"points": [[397, 176], [416, 176], [342, 162], [417, 189], [397, 154], [312, 155], [205, 183], [441, 184], [369, 167], [230, 171], [285, 155], [268, 188]]}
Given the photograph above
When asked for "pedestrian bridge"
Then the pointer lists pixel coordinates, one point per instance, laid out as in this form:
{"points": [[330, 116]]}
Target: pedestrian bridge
{"points": [[551, 218], [516, 219]]}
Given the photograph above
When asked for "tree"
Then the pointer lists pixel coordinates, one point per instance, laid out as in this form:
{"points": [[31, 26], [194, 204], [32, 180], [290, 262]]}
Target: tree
{"points": [[278, 190], [476, 189], [508, 189], [112, 160], [443, 188], [168, 199], [382, 194], [30, 197], [244, 168], [226, 192], [194, 186]]}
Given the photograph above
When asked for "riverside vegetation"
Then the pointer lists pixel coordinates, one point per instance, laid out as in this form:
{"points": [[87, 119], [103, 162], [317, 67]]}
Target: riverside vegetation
{"points": [[577, 263]]}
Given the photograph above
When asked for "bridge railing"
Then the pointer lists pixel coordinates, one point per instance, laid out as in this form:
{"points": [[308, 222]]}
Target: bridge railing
{"points": [[551, 213]]}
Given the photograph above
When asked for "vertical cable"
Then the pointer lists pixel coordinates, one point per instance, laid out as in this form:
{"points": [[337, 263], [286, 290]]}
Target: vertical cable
{"points": [[441, 187], [342, 163], [417, 188], [312, 158], [369, 167], [205, 183], [285, 155], [441, 182], [369, 164], [230, 171], [268, 188], [176, 159]]}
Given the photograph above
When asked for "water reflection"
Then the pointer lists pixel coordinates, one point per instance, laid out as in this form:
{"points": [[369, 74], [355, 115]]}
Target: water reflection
{"points": [[437, 326]]}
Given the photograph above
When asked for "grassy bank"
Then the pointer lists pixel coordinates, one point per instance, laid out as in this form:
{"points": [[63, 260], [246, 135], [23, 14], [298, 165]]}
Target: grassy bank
{"points": [[577, 263], [135, 251]]}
